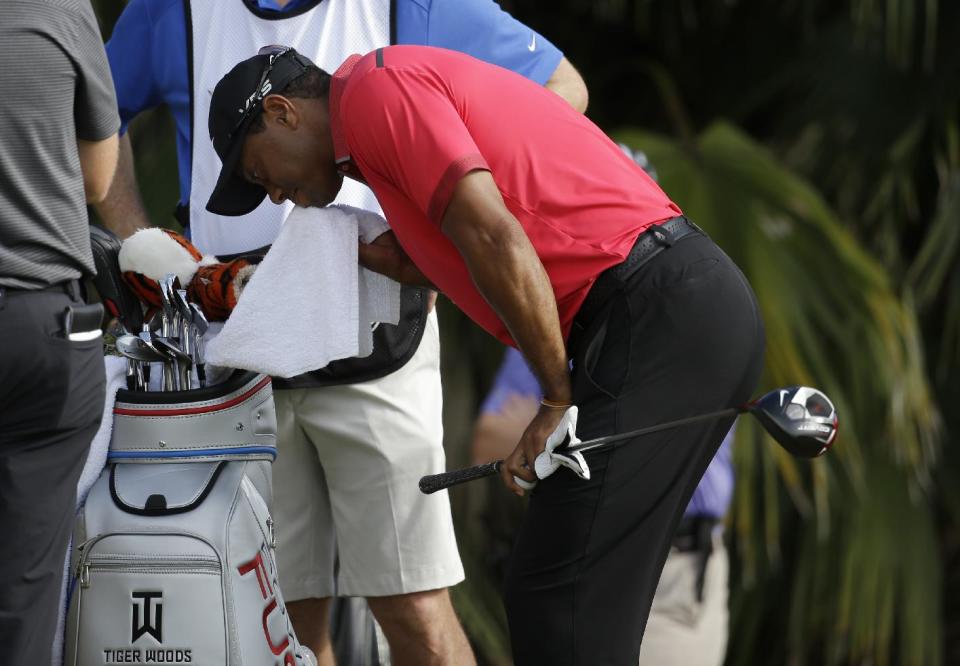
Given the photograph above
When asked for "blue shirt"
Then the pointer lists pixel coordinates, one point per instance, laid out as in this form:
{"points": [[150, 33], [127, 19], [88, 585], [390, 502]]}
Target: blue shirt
{"points": [[711, 498], [148, 52]]}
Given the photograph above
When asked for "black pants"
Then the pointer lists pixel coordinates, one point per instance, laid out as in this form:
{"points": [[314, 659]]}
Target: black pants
{"points": [[51, 402], [683, 337]]}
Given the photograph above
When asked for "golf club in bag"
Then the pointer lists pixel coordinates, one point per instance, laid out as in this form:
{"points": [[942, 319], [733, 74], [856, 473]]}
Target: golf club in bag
{"points": [[802, 419], [173, 559]]}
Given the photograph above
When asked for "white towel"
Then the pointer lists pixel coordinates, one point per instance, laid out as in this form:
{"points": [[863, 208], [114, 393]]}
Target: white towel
{"points": [[116, 370], [309, 301]]}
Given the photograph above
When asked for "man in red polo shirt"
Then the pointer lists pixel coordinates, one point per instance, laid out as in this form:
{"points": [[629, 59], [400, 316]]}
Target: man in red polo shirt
{"points": [[546, 234]]}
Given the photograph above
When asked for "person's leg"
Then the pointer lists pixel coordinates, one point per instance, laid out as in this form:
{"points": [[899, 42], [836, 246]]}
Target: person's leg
{"points": [[306, 542], [422, 629], [684, 339], [52, 393], [375, 440], [311, 619], [683, 630]]}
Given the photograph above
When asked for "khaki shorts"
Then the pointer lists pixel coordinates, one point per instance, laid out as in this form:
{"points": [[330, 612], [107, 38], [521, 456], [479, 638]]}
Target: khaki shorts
{"points": [[345, 485]]}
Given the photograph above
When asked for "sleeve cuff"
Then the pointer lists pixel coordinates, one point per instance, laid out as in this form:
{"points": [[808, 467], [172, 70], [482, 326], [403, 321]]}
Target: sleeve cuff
{"points": [[457, 170], [547, 65]]}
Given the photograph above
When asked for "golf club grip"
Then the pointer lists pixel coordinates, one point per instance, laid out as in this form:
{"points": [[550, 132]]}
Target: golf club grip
{"points": [[434, 482]]}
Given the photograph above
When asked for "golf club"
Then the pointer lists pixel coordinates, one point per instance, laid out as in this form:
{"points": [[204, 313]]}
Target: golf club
{"points": [[146, 336], [801, 419], [186, 322], [181, 363], [168, 285], [200, 326], [141, 351], [134, 367], [170, 368]]}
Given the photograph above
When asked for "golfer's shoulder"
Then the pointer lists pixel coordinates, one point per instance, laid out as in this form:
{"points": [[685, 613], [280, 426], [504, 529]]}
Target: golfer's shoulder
{"points": [[394, 75]]}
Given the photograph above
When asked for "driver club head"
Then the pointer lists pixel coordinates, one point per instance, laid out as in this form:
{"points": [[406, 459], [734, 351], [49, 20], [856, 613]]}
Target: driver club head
{"points": [[802, 419]]}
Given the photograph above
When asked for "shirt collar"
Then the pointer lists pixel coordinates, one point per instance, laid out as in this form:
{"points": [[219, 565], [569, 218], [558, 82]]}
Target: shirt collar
{"points": [[338, 82], [272, 5]]}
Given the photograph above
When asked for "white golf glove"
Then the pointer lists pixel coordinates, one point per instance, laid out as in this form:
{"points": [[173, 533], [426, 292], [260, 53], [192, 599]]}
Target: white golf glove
{"points": [[565, 433], [549, 462]]}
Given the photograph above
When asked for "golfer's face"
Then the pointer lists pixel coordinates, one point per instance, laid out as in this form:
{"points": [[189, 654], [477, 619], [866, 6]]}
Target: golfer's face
{"points": [[290, 167]]}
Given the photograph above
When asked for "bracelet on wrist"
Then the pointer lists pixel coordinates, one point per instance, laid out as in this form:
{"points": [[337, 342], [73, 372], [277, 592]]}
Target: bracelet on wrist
{"points": [[554, 404]]}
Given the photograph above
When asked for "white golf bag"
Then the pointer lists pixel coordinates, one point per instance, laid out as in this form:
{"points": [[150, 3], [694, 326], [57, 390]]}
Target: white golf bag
{"points": [[173, 559]]}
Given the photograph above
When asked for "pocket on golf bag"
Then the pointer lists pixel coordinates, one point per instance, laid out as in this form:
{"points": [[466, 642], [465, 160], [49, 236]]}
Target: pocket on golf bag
{"points": [[147, 598]]}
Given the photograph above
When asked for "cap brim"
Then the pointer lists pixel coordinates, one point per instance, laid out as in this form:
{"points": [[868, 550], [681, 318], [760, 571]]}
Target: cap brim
{"points": [[233, 195]]}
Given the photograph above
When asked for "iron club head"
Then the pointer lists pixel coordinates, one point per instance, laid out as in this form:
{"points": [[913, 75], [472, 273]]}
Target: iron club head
{"points": [[200, 326], [138, 349], [802, 419], [199, 319], [180, 362], [169, 284], [172, 351], [183, 306]]}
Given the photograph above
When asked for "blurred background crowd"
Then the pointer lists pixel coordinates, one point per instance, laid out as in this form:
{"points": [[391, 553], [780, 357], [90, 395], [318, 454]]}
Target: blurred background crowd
{"points": [[818, 142]]}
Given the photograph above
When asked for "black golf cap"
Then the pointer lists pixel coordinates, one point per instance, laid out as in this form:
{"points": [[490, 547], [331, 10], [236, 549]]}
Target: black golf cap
{"points": [[237, 100]]}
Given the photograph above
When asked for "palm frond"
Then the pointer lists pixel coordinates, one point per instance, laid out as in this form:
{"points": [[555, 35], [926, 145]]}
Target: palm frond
{"points": [[934, 276], [905, 30]]}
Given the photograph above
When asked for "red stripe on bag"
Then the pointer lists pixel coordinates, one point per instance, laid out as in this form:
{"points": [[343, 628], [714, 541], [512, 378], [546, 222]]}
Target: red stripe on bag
{"points": [[125, 411]]}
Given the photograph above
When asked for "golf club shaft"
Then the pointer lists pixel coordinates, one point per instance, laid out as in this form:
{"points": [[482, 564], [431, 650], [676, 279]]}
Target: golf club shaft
{"points": [[434, 482]]}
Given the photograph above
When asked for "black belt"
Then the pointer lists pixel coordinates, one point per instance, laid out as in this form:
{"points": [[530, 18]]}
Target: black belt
{"points": [[695, 533], [648, 245]]}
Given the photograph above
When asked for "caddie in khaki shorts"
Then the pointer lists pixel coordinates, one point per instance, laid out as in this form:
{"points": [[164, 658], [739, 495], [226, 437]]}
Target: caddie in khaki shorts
{"points": [[350, 463]]}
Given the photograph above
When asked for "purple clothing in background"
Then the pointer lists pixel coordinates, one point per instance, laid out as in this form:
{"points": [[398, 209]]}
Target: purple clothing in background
{"points": [[513, 378], [711, 498]]}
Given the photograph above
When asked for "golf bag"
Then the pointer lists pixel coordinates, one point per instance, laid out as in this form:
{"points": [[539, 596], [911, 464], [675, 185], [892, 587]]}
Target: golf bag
{"points": [[173, 559]]}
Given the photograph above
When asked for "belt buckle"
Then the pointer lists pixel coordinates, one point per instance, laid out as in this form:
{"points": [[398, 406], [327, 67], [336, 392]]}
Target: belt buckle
{"points": [[662, 235]]}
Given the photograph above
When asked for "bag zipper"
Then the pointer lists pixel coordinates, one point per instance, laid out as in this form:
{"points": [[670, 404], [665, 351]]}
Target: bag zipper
{"points": [[140, 564]]}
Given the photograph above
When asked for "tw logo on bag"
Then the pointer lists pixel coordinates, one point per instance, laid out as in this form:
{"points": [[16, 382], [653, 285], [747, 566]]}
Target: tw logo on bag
{"points": [[146, 620], [147, 615]]}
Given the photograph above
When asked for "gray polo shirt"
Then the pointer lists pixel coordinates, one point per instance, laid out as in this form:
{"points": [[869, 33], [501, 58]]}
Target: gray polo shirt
{"points": [[55, 88]]}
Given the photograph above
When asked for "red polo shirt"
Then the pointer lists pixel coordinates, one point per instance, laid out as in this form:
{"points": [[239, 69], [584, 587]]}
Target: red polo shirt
{"points": [[412, 120]]}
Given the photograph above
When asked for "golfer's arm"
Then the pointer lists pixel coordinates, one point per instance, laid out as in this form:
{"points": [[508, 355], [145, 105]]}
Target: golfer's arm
{"points": [[509, 275], [122, 210], [567, 82], [98, 161]]}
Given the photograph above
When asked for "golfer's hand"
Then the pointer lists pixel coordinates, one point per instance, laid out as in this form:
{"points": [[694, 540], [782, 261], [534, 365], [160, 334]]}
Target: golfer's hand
{"points": [[532, 443], [385, 256]]}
